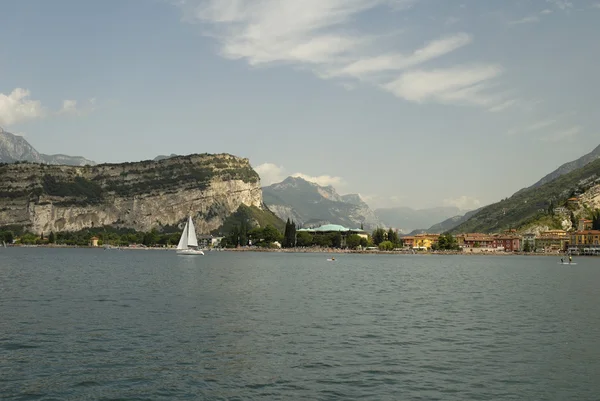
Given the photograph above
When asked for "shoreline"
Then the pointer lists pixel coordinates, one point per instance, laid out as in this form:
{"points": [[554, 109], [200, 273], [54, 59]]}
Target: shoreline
{"points": [[303, 250]]}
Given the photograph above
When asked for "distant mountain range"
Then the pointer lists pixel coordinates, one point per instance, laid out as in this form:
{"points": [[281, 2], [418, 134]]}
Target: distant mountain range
{"points": [[408, 219], [310, 204], [14, 148]]}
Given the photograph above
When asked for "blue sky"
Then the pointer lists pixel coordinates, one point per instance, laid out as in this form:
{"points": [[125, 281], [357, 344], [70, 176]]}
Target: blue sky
{"points": [[408, 102]]}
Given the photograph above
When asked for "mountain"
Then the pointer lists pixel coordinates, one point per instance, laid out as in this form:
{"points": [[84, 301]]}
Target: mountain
{"points": [[450, 223], [141, 195], [308, 203], [163, 157], [408, 219], [536, 203], [14, 148], [568, 167]]}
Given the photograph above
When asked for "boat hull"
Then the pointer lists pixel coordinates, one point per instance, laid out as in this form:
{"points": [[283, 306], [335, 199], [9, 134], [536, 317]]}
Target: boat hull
{"points": [[189, 252]]}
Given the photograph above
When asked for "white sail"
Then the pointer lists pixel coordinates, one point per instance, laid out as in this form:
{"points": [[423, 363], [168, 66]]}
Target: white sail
{"points": [[191, 236], [183, 241]]}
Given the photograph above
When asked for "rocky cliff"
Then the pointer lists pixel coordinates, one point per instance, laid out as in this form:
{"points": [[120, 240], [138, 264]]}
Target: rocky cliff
{"points": [[142, 195]]}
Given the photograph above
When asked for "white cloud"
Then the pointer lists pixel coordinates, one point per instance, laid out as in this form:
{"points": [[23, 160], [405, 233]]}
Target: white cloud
{"points": [[69, 107], [463, 202], [596, 5], [18, 107], [321, 36], [270, 173], [563, 135], [526, 20], [464, 85], [546, 11], [323, 180]]}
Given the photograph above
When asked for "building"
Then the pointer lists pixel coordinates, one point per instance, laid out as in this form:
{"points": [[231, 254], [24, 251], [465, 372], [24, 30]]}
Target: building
{"points": [[581, 239], [510, 243], [560, 210], [552, 243], [335, 228], [584, 225], [425, 241], [94, 241], [408, 241], [476, 240], [528, 238], [554, 233], [573, 201]]}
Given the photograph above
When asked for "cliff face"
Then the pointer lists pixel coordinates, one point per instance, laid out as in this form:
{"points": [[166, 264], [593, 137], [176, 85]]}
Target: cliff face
{"points": [[141, 196]]}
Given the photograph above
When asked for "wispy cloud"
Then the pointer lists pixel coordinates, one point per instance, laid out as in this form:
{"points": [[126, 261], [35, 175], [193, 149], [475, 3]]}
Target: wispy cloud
{"points": [[564, 134], [463, 85], [396, 61], [526, 20], [323, 37], [538, 125], [561, 4], [463, 202]]}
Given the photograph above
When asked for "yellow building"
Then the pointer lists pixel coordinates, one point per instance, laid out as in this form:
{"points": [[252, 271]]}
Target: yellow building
{"points": [[553, 233], [94, 241], [587, 237], [552, 243], [425, 241]]}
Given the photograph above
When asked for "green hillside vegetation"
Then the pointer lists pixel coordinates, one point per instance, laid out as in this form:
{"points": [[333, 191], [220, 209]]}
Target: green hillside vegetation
{"points": [[250, 223], [532, 205]]}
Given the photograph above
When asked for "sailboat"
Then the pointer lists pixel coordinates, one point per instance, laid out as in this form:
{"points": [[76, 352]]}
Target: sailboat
{"points": [[188, 243]]}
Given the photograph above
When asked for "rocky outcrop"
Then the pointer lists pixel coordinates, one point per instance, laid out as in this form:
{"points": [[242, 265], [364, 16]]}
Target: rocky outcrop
{"points": [[141, 196]]}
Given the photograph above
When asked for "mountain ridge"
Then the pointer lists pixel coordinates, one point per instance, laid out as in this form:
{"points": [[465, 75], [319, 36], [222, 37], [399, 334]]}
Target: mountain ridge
{"points": [[14, 148], [308, 203]]}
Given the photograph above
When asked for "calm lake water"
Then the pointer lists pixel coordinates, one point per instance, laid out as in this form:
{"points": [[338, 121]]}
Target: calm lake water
{"points": [[149, 325]]}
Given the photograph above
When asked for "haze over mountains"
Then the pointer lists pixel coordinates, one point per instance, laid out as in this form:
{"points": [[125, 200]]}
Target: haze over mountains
{"points": [[14, 148], [535, 204]]}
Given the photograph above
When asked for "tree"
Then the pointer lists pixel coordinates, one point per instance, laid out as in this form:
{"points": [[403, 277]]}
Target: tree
{"points": [[150, 238], [527, 246], [596, 220], [51, 237], [304, 239], [392, 236], [336, 240], [271, 234], [286, 235], [364, 242], [8, 237], [386, 246], [551, 208], [353, 241], [378, 236]]}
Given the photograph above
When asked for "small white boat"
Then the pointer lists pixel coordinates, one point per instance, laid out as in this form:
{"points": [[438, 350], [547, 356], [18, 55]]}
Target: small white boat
{"points": [[188, 243]]}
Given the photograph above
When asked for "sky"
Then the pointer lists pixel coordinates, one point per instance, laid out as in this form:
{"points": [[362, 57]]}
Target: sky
{"points": [[417, 103]]}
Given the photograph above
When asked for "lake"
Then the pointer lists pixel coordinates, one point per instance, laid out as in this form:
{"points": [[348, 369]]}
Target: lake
{"points": [[89, 324]]}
